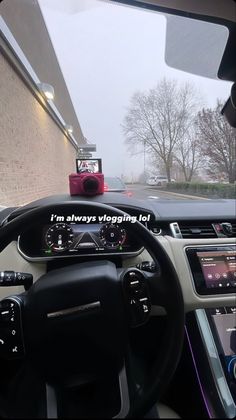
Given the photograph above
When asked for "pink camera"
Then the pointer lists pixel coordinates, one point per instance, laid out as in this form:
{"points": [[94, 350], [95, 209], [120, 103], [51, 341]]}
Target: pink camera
{"points": [[86, 184], [89, 179]]}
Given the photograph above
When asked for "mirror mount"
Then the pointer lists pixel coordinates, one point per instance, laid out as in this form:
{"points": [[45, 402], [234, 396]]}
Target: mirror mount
{"points": [[229, 109]]}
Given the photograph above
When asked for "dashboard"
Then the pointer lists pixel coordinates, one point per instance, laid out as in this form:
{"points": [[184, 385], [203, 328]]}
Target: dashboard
{"points": [[199, 226]]}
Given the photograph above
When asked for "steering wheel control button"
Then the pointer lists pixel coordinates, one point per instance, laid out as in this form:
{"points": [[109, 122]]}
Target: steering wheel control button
{"points": [[137, 297], [232, 368], [144, 302], [12, 278], [4, 345], [15, 349], [134, 283], [139, 312], [11, 337], [5, 315]]}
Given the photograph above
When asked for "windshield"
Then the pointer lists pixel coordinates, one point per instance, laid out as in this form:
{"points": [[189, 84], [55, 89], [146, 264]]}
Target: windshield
{"points": [[84, 79]]}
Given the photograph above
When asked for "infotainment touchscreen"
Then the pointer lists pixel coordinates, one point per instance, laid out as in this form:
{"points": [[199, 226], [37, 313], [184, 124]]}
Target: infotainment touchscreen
{"points": [[222, 321], [213, 268], [218, 267], [225, 324]]}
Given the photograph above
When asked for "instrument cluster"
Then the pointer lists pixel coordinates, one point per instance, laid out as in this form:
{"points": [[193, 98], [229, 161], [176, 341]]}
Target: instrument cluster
{"points": [[77, 239]]}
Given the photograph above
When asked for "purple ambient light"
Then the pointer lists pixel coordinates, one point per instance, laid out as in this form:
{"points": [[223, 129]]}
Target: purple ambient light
{"points": [[198, 378]]}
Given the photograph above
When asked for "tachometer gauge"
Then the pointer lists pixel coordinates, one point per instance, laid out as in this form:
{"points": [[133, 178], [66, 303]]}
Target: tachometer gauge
{"points": [[112, 236], [59, 237]]}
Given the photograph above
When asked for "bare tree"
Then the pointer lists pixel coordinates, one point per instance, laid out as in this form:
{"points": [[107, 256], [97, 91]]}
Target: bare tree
{"points": [[156, 164], [218, 142], [188, 154], [160, 118]]}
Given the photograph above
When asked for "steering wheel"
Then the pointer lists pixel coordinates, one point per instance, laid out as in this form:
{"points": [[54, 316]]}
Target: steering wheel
{"points": [[80, 317]]}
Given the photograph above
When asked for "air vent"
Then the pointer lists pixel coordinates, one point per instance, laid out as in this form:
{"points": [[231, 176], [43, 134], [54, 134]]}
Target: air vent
{"points": [[234, 229], [197, 231]]}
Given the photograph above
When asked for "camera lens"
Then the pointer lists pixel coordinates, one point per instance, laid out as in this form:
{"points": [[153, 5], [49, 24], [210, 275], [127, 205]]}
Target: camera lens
{"points": [[91, 185]]}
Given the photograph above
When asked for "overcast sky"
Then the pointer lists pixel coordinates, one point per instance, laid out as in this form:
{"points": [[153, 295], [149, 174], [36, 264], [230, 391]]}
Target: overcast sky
{"points": [[106, 53]]}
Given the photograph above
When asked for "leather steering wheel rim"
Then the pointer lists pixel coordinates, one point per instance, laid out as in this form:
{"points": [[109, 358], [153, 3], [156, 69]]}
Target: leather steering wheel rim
{"points": [[163, 369]]}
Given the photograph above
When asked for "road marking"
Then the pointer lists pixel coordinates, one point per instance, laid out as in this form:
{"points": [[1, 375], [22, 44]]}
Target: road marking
{"points": [[153, 197], [182, 196]]}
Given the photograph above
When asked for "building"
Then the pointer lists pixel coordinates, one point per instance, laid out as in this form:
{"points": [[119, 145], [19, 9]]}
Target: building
{"points": [[37, 147]]}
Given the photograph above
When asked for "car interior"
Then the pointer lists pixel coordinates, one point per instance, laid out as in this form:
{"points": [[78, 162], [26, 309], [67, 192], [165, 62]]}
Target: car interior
{"points": [[114, 307]]}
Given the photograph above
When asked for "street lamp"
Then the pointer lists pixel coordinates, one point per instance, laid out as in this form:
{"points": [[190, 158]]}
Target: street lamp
{"points": [[69, 128], [46, 90]]}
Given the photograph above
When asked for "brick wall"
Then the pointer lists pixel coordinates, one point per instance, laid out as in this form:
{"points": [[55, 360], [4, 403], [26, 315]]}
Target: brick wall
{"points": [[26, 23], [35, 156]]}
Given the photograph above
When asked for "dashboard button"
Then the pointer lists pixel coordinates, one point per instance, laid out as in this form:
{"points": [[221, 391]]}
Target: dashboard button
{"points": [[218, 311], [231, 310]]}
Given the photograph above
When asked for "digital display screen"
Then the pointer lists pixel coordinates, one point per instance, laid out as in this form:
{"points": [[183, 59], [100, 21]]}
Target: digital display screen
{"points": [[225, 323], [84, 238], [89, 165], [64, 239], [219, 268]]}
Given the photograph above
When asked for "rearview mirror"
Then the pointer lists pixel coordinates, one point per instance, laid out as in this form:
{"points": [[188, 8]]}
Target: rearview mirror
{"points": [[195, 46]]}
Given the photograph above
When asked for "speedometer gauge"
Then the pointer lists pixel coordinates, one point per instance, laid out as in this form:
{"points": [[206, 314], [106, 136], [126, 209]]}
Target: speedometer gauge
{"points": [[112, 236], [59, 237]]}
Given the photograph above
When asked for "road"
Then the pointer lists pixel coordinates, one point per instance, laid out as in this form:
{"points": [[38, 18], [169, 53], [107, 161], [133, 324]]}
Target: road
{"points": [[146, 192]]}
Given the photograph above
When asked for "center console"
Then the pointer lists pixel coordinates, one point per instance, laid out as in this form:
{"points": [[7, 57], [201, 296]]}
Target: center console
{"points": [[212, 332], [223, 326], [211, 337]]}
